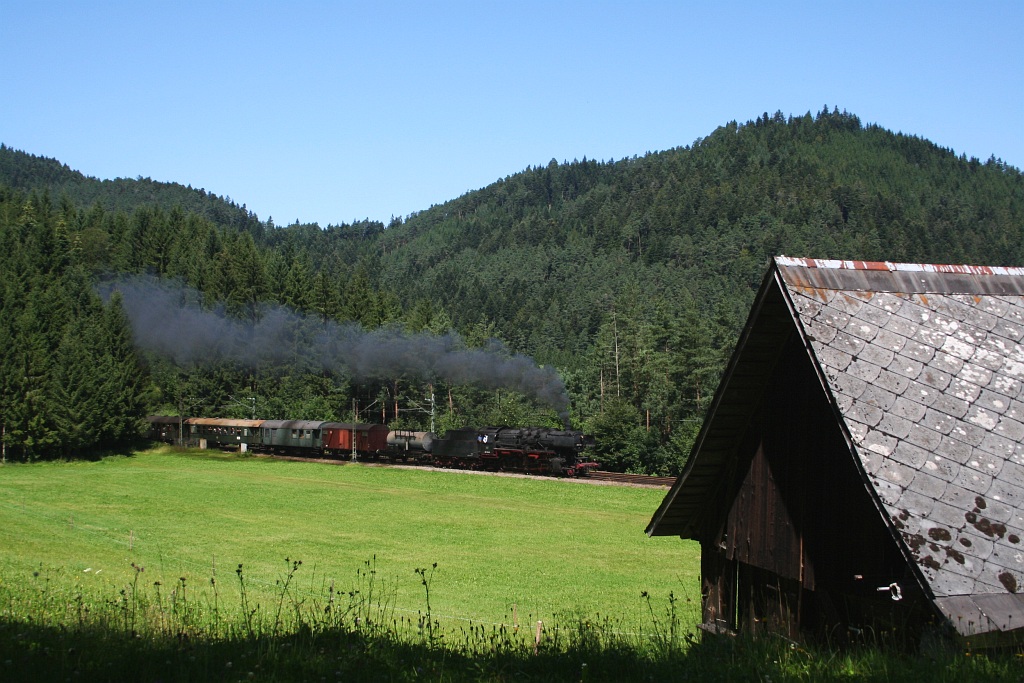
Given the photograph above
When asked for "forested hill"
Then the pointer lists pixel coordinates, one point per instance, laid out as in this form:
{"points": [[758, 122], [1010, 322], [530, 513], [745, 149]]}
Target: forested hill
{"points": [[631, 277], [702, 220], [22, 171]]}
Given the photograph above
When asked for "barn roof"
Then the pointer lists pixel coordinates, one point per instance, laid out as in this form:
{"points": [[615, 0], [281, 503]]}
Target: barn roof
{"points": [[924, 367]]}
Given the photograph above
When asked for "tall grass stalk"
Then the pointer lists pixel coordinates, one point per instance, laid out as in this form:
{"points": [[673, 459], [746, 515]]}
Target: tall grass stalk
{"points": [[426, 620], [50, 629], [293, 566]]}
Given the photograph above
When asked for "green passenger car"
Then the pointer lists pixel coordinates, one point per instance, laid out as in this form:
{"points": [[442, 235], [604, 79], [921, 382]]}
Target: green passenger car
{"points": [[283, 436]]}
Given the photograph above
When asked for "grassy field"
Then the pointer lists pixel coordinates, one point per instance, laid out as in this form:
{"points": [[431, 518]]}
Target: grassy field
{"points": [[548, 549], [129, 569]]}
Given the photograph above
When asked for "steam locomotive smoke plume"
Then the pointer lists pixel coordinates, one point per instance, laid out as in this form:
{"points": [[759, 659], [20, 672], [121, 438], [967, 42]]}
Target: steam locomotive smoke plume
{"points": [[165, 319]]}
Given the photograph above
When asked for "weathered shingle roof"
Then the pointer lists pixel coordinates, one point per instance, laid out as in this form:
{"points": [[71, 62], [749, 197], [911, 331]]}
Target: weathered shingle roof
{"points": [[925, 367]]}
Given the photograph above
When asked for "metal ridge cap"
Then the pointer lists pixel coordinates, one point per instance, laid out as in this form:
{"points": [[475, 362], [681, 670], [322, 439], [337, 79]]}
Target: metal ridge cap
{"points": [[836, 264]]}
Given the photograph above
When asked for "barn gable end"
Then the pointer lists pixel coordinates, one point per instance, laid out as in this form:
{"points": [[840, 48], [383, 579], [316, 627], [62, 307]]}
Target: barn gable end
{"points": [[863, 458]]}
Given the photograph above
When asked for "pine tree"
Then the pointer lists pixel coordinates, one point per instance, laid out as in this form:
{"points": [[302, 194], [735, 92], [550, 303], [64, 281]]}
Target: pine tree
{"points": [[76, 388], [123, 377], [325, 300], [245, 280], [28, 433], [299, 287], [360, 302]]}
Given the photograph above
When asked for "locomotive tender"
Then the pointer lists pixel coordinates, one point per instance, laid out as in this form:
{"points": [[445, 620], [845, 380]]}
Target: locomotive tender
{"points": [[536, 450]]}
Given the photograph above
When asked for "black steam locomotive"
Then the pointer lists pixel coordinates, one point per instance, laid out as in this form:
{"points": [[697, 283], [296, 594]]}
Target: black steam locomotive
{"points": [[515, 449], [537, 450]]}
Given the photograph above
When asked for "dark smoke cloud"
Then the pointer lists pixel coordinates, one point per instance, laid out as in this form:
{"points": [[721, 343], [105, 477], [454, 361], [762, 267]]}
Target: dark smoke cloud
{"points": [[167, 319]]}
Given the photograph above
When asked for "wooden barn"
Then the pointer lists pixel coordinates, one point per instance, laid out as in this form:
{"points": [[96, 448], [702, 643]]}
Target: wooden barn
{"points": [[861, 467]]}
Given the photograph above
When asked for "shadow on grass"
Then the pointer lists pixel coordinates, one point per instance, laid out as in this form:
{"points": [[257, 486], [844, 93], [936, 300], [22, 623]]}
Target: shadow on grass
{"points": [[30, 652], [33, 652]]}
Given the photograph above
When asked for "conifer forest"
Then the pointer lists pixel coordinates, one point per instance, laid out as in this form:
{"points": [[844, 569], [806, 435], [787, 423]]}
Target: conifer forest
{"points": [[609, 293]]}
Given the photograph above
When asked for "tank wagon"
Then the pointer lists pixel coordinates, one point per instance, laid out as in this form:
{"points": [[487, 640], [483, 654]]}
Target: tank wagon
{"points": [[538, 450], [405, 446]]}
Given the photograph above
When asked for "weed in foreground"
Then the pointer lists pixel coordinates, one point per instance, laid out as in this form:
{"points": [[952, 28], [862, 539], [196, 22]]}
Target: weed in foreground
{"points": [[51, 630]]}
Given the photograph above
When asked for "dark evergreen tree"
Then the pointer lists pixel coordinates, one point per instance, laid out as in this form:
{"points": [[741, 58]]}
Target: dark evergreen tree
{"points": [[76, 408], [123, 378]]}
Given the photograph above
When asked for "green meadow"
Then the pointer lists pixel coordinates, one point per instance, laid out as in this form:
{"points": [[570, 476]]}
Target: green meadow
{"points": [[202, 566], [504, 547]]}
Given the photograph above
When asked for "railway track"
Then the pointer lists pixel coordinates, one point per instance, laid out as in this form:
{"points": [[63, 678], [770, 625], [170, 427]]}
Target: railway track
{"points": [[619, 478], [632, 479]]}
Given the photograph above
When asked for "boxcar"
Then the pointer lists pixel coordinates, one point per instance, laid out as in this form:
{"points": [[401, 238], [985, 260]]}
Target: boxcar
{"points": [[371, 440]]}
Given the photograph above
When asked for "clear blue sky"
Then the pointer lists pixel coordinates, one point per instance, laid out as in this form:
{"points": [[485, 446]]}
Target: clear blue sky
{"points": [[335, 111]]}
